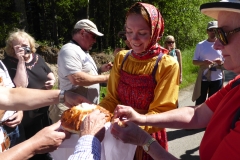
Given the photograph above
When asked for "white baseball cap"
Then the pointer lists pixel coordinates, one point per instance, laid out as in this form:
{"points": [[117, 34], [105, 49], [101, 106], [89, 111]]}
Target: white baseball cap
{"points": [[87, 25], [212, 24]]}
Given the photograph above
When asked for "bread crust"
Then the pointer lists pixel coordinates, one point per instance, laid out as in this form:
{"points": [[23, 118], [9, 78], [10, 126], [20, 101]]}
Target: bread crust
{"points": [[72, 118]]}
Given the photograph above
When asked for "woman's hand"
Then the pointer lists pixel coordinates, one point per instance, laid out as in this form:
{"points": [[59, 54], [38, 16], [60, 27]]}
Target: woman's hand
{"points": [[180, 80], [127, 112], [131, 133], [20, 52], [15, 119], [49, 84]]}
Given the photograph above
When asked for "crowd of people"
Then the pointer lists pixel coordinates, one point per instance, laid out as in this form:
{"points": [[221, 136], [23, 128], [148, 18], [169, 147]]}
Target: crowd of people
{"points": [[142, 89]]}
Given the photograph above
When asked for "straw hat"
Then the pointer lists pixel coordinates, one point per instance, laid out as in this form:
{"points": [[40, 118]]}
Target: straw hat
{"points": [[212, 9]]}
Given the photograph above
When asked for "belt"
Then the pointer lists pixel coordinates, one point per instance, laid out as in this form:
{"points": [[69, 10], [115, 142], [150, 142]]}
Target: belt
{"points": [[6, 142]]}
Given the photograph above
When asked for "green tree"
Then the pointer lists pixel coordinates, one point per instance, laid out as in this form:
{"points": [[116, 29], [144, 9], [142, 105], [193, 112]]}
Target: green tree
{"points": [[51, 21]]}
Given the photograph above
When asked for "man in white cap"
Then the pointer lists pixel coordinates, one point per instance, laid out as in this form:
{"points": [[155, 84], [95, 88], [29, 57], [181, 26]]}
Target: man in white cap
{"points": [[209, 60], [77, 70]]}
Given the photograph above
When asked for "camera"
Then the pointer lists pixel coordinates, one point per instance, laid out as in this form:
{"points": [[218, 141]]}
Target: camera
{"points": [[27, 50]]}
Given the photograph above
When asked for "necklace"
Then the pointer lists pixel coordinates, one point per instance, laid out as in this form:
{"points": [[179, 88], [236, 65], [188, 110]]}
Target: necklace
{"points": [[31, 66]]}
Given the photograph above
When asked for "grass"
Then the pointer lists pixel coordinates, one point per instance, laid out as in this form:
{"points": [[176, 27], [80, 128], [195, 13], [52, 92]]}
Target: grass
{"points": [[103, 91], [189, 70]]}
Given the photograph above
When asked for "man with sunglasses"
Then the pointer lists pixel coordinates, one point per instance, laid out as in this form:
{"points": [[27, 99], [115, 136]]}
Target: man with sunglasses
{"points": [[77, 70], [209, 60]]}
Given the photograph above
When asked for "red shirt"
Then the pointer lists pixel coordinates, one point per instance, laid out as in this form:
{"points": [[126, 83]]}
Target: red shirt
{"points": [[220, 142]]}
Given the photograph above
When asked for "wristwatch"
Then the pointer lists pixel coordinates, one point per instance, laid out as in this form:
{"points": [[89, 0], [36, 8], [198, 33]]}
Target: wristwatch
{"points": [[61, 96], [147, 145]]}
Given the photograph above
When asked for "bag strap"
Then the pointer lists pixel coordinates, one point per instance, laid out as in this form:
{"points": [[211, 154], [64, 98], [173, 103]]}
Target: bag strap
{"points": [[237, 114], [235, 118], [1, 66]]}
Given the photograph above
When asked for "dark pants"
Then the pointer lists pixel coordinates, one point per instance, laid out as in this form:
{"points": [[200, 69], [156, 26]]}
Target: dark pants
{"points": [[208, 88], [36, 125]]}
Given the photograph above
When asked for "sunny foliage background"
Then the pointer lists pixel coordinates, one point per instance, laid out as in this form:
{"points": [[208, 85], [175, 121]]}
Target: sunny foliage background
{"points": [[51, 21]]}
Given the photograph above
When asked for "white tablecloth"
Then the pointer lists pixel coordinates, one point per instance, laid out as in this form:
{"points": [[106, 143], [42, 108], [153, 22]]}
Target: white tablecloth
{"points": [[112, 149]]}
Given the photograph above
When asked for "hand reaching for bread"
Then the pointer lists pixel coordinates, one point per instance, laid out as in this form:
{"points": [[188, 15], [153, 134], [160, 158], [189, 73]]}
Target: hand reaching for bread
{"points": [[72, 118], [120, 122], [128, 113], [93, 124]]}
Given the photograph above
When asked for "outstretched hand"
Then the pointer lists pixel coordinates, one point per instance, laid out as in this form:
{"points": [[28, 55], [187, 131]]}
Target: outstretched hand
{"points": [[127, 112], [93, 124], [73, 99], [48, 139], [131, 133]]}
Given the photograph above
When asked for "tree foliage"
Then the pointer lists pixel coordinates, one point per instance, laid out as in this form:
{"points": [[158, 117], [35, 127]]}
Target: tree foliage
{"points": [[51, 21]]}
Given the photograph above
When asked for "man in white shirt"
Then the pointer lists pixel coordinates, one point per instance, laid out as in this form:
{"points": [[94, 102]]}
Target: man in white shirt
{"points": [[77, 70], [210, 61]]}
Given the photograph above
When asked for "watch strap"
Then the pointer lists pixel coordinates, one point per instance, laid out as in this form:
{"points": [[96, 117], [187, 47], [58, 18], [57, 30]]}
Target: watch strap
{"points": [[61, 96], [147, 145]]}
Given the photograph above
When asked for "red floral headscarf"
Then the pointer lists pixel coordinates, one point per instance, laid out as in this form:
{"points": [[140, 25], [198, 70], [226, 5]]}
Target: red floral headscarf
{"points": [[157, 27]]}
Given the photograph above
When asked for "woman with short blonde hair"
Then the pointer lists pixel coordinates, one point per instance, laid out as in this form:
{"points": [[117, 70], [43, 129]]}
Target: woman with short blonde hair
{"points": [[15, 35], [28, 69], [170, 44]]}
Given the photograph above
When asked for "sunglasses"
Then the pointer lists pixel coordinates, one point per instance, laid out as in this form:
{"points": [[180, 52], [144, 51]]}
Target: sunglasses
{"points": [[222, 36], [94, 36], [210, 30], [170, 42]]}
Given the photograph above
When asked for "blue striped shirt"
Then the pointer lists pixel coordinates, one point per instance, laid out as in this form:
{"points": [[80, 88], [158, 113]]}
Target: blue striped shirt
{"points": [[88, 148]]}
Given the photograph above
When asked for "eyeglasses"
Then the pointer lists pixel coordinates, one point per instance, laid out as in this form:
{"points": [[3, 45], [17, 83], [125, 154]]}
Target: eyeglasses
{"points": [[222, 36], [210, 30], [170, 42], [94, 36]]}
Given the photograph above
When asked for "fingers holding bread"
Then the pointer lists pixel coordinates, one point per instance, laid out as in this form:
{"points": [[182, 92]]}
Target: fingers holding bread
{"points": [[73, 117]]}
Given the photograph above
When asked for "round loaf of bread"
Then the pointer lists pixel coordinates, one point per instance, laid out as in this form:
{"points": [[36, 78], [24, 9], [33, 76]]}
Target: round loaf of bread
{"points": [[72, 118]]}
